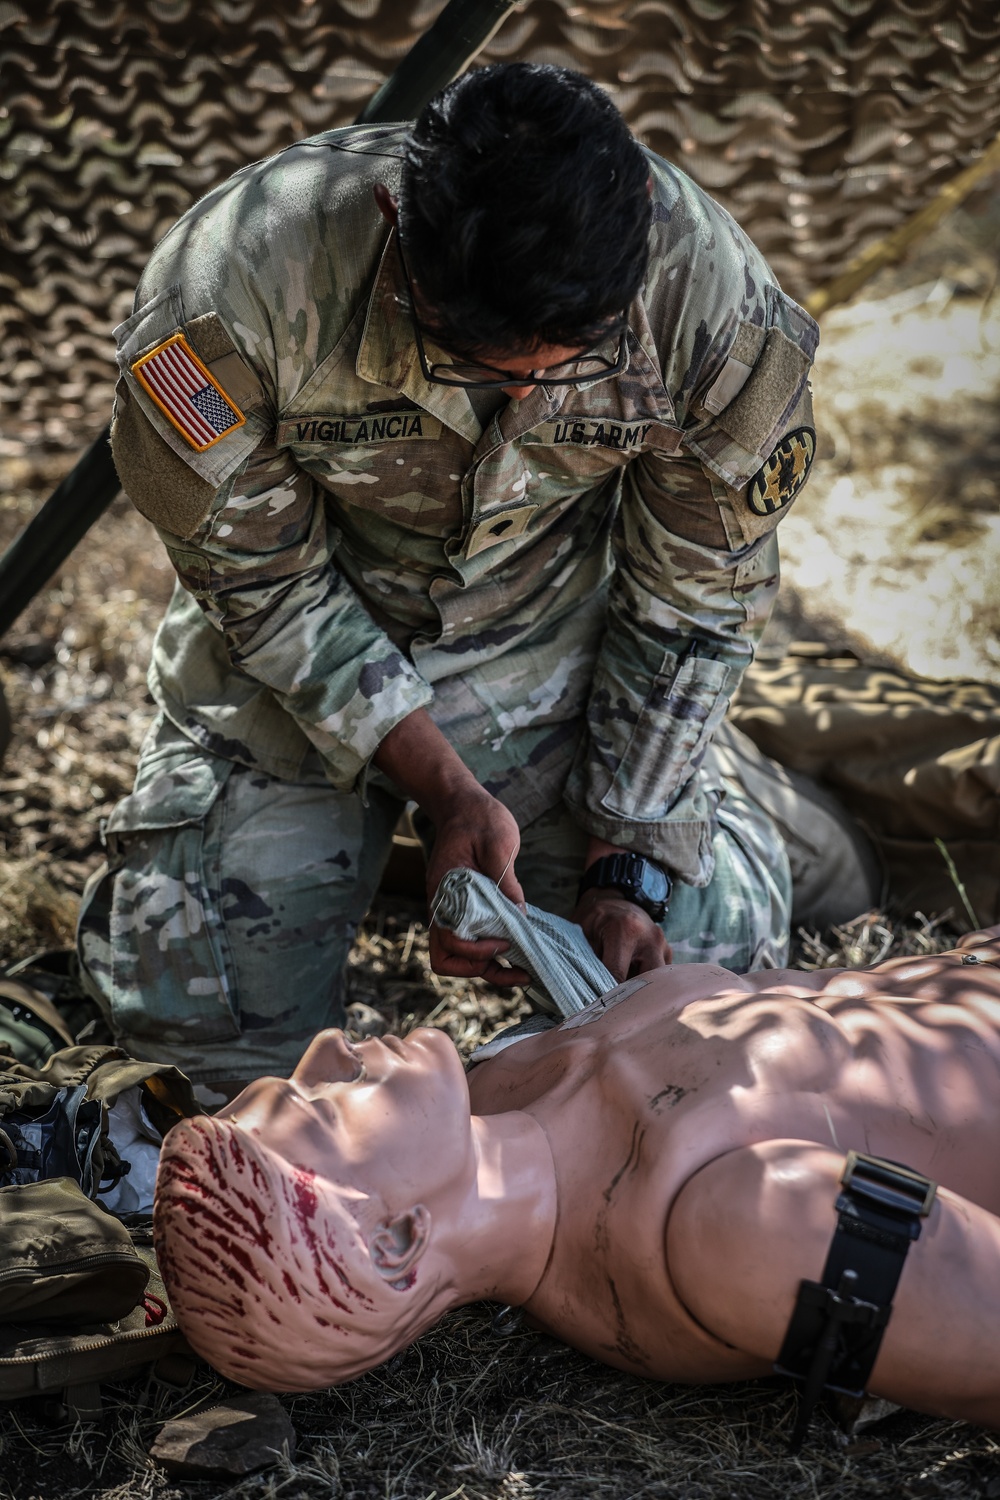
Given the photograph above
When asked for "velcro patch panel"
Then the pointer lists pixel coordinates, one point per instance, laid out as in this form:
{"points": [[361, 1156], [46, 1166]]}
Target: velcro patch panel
{"points": [[189, 396]]}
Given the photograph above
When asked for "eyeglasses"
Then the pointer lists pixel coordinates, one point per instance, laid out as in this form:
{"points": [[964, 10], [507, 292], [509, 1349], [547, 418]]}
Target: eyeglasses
{"points": [[583, 367]]}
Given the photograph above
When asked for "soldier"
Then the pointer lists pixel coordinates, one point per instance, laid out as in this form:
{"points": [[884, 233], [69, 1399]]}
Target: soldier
{"points": [[468, 442]]}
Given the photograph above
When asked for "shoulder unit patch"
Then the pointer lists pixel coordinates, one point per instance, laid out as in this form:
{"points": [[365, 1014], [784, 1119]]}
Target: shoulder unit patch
{"points": [[174, 376], [778, 481]]}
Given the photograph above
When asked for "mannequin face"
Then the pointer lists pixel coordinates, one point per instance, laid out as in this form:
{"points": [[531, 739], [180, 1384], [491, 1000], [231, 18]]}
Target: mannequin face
{"points": [[321, 1223], [388, 1116]]}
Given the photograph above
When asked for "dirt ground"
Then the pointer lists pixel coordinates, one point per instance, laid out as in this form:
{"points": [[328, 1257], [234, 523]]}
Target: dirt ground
{"points": [[894, 548]]}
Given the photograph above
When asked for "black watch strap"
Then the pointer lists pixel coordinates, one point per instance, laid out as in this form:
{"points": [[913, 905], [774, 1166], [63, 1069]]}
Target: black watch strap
{"points": [[636, 878]]}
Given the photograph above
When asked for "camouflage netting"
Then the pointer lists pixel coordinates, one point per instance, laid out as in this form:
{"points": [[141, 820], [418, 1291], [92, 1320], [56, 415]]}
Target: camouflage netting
{"points": [[820, 123]]}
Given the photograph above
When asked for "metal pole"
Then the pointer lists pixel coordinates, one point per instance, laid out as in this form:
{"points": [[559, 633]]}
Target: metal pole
{"points": [[462, 28], [51, 535]]}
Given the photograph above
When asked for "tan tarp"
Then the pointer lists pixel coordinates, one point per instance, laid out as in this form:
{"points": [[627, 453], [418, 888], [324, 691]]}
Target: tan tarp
{"points": [[915, 760]]}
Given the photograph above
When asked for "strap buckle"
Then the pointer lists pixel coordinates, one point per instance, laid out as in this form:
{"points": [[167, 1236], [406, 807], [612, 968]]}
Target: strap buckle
{"points": [[888, 1184], [836, 1327]]}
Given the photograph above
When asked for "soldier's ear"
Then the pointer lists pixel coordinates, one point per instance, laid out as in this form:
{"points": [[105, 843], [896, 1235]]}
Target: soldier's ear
{"points": [[388, 207], [398, 1244]]}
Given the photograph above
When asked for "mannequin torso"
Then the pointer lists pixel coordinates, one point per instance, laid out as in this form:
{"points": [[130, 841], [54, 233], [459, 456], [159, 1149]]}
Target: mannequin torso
{"points": [[901, 1062]]}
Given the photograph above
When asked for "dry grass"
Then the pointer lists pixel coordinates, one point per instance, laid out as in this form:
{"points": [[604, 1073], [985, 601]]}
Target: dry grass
{"points": [[467, 1415], [872, 937], [389, 971], [34, 913]]}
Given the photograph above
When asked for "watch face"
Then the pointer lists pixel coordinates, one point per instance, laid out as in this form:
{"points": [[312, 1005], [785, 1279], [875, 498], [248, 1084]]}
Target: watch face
{"points": [[655, 883], [637, 878]]}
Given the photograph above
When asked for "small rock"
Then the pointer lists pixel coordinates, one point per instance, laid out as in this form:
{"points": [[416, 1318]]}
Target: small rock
{"points": [[364, 1021], [854, 1414], [236, 1437], [874, 1409]]}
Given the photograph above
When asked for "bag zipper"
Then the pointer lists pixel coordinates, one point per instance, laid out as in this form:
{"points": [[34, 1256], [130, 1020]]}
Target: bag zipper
{"points": [[169, 1325], [104, 1257]]}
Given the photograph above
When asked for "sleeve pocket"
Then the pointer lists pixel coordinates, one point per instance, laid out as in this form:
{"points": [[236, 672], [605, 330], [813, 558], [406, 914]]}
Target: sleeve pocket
{"points": [[682, 711]]}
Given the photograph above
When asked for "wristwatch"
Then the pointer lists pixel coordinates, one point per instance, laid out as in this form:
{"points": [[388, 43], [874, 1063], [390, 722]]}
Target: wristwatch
{"points": [[636, 878]]}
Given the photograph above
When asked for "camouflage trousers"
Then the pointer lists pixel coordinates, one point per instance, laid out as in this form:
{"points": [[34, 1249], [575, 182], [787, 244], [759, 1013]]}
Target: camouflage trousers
{"points": [[218, 934]]}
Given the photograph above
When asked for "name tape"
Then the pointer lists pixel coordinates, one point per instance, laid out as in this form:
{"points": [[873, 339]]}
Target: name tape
{"points": [[358, 431]]}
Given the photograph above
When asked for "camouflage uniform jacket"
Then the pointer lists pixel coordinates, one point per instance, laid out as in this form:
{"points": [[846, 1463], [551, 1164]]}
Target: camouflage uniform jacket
{"points": [[573, 591]]}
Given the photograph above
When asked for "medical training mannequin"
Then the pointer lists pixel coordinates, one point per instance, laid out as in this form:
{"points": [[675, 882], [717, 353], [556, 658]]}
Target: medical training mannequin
{"points": [[650, 1181]]}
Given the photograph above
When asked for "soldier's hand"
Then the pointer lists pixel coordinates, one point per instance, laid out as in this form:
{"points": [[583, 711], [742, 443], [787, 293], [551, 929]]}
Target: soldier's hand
{"points": [[624, 937], [476, 833], [473, 831]]}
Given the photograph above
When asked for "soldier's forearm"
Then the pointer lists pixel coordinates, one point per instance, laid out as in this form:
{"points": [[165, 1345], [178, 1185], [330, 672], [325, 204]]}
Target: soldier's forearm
{"points": [[418, 758], [472, 831]]}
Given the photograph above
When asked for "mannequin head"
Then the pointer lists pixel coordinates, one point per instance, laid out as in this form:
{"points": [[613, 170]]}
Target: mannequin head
{"points": [[303, 1232]]}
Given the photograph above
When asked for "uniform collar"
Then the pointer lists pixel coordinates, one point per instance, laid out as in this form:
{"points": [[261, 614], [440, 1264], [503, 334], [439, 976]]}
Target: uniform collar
{"points": [[388, 353], [388, 357]]}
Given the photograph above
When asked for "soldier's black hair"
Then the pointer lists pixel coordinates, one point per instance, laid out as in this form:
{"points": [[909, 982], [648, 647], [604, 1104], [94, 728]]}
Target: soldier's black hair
{"points": [[524, 212]]}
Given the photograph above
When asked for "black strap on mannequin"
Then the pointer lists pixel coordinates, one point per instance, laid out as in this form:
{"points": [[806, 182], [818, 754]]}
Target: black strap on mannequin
{"points": [[836, 1328]]}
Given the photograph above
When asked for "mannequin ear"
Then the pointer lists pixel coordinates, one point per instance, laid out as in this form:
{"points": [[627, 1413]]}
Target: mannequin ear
{"points": [[398, 1244]]}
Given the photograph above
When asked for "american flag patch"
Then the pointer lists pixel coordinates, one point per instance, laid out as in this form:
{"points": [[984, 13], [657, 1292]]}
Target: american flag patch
{"points": [[186, 393]]}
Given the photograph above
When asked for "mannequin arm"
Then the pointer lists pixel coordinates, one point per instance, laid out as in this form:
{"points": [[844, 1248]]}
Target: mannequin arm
{"points": [[750, 1225]]}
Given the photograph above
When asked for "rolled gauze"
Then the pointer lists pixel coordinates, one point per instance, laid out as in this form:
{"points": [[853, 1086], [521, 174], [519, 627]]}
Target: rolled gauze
{"points": [[555, 952]]}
